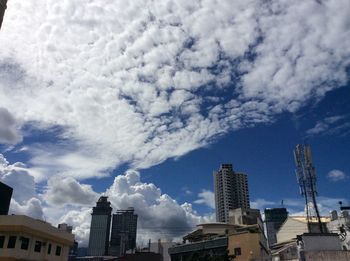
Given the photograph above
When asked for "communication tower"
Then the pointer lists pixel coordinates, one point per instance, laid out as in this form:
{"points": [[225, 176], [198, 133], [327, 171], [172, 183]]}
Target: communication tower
{"points": [[306, 176]]}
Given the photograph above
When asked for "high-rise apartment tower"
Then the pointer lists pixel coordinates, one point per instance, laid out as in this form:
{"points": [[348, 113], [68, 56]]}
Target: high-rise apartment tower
{"points": [[231, 191], [100, 227], [123, 237]]}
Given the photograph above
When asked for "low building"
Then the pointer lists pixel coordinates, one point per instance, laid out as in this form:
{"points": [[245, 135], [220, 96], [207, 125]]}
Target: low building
{"points": [[297, 225], [248, 243], [211, 247], [241, 216], [340, 224], [311, 247], [25, 238], [209, 231]]}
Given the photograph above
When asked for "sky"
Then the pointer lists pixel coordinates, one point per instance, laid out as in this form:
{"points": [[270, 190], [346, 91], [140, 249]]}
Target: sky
{"points": [[142, 100]]}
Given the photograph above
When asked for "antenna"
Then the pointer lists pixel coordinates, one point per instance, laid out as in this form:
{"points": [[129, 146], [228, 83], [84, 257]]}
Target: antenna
{"points": [[306, 177]]}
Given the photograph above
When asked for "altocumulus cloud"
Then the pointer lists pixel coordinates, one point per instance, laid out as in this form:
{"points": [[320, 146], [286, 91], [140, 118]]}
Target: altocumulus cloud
{"points": [[141, 81]]}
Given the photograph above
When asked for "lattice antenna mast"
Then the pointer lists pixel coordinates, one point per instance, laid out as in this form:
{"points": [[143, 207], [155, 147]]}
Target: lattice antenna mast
{"points": [[306, 176]]}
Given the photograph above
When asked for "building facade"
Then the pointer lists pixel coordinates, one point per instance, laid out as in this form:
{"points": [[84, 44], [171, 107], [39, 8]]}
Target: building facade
{"points": [[231, 191], [274, 218], [123, 235], [5, 195], [25, 238], [100, 228]]}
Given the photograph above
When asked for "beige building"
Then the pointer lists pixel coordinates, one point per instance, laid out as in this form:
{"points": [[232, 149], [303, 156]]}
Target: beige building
{"points": [[297, 225], [25, 238], [248, 243]]}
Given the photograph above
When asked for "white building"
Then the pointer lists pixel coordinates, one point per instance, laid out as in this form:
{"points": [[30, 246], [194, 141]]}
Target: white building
{"points": [[25, 238], [341, 225], [296, 225]]}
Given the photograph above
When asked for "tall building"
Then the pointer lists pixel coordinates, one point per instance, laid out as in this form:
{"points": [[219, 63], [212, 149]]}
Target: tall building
{"points": [[274, 218], [123, 237], [5, 195], [231, 191], [2, 10], [100, 228]]}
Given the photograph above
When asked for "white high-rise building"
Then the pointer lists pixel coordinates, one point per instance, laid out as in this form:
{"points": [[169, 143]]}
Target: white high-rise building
{"points": [[231, 192]]}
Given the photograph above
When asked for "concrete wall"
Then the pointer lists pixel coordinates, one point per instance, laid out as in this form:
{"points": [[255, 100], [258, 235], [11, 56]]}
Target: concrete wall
{"points": [[249, 243], [290, 229], [327, 256]]}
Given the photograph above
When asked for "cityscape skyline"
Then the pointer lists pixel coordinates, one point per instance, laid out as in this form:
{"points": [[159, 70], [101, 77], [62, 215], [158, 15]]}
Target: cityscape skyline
{"points": [[142, 104]]}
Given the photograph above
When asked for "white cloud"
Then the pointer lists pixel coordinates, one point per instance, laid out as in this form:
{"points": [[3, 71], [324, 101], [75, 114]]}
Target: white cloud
{"points": [[159, 216], [9, 134], [62, 191], [32, 208], [206, 197], [129, 82], [261, 203], [336, 175], [330, 125], [18, 177]]}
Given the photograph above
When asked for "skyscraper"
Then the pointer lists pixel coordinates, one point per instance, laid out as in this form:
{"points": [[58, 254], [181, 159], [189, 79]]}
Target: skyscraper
{"points": [[123, 237], [274, 218], [231, 191], [2, 10], [100, 227], [5, 196]]}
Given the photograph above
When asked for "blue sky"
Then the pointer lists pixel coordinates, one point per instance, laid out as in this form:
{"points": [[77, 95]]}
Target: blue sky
{"points": [[142, 101]]}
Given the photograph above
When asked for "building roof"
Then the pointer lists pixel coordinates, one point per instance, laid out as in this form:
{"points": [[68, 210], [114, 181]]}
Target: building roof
{"points": [[303, 219], [25, 224]]}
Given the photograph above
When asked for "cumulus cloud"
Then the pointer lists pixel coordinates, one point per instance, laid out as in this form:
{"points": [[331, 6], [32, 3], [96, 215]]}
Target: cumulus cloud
{"points": [[159, 216], [24, 197], [61, 191], [19, 178], [31, 207], [206, 197], [142, 81], [9, 134], [336, 175]]}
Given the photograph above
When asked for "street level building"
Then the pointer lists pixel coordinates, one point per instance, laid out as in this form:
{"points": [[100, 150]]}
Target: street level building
{"points": [[5, 196], [274, 218], [100, 228], [298, 225], [231, 191], [25, 238], [123, 235]]}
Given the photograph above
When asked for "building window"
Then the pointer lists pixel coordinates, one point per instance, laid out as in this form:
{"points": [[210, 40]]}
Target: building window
{"points": [[237, 251], [25, 243], [49, 249], [12, 242], [37, 246], [58, 250], [2, 241]]}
